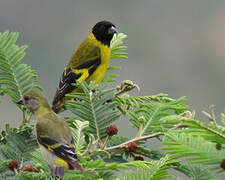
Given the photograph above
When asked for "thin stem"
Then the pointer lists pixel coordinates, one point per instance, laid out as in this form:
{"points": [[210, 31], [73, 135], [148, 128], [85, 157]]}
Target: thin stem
{"points": [[95, 119], [126, 86], [24, 117], [120, 146], [15, 170], [149, 121], [106, 141], [140, 130]]}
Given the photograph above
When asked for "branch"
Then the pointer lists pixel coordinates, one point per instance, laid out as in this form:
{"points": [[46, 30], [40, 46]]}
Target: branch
{"points": [[121, 146], [133, 140]]}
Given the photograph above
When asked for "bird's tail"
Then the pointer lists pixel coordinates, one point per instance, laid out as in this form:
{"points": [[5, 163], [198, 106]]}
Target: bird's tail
{"points": [[58, 171]]}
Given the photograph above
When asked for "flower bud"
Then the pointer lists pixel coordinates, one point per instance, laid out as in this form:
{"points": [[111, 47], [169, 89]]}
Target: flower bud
{"points": [[131, 147], [13, 165], [111, 130], [141, 119]]}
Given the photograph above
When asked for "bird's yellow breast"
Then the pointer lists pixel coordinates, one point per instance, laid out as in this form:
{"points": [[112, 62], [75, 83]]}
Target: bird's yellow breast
{"points": [[105, 57]]}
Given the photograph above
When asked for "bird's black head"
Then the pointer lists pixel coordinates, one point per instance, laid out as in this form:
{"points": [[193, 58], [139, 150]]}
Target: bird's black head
{"points": [[104, 31]]}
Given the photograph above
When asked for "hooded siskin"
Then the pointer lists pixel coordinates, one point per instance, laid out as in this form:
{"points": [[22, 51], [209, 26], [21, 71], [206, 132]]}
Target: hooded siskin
{"points": [[89, 62], [53, 135]]}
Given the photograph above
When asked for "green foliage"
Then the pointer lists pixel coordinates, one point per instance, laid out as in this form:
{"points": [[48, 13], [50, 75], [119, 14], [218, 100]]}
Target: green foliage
{"points": [[37, 159], [149, 153], [195, 172], [92, 106], [32, 176], [16, 79], [117, 52], [209, 131], [156, 170], [199, 150], [17, 145], [146, 118], [133, 101], [77, 134]]}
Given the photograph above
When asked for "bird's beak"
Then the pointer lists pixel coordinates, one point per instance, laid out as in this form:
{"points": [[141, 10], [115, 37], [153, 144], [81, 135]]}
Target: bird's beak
{"points": [[112, 30], [21, 101]]}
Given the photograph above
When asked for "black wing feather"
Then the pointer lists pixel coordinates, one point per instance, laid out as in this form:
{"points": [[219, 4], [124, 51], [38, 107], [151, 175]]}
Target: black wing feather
{"points": [[68, 77], [64, 151]]}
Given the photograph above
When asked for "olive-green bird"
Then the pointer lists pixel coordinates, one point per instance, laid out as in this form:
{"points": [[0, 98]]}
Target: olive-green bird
{"points": [[53, 135], [89, 62]]}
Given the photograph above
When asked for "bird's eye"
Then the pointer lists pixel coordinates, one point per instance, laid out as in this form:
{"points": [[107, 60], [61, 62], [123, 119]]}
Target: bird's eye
{"points": [[26, 98]]}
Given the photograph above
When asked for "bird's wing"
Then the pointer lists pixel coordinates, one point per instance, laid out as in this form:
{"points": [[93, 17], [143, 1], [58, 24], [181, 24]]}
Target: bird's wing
{"points": [[60, 149], [55, 135], [52, 138], [82, 65]]}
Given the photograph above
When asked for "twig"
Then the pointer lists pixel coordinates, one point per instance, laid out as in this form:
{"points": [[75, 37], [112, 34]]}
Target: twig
{"points": [[126, 86], [120, 146], [15, 170], [211, 114], [95, 119], [106, 141], [179, 125]]}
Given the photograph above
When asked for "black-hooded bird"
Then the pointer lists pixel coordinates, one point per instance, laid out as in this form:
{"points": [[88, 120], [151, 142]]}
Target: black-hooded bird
{"points": [[89, 62], [53, 135]]}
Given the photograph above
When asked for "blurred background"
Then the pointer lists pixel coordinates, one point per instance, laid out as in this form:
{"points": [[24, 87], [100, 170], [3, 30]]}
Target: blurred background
{"points": [[174, 46]]}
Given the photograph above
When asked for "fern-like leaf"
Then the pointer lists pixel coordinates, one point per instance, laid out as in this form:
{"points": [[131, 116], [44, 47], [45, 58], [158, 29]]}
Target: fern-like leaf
{"points": [[195, 172], [16, 79], [17, 147], [152, 112], [184, 144], [117, 52], [77, 134], [128, 103], [92, 106], [156, 170], [211, 132]]}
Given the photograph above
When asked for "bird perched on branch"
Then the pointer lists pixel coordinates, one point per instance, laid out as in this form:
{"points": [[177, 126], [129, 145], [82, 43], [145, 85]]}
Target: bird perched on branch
{"points": [[89, 62], [53, 135]]}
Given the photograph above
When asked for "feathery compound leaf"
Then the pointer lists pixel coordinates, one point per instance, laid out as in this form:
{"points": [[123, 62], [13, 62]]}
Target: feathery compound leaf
{"points": [[147, 152], [156, 170], [148, 115], [37, 158], [183, 144], [77, 134], [117, 52], [130, 102], [92, 106], [17, 78], [34, 176], [17, 147], [195, 172], [209, 131]]}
